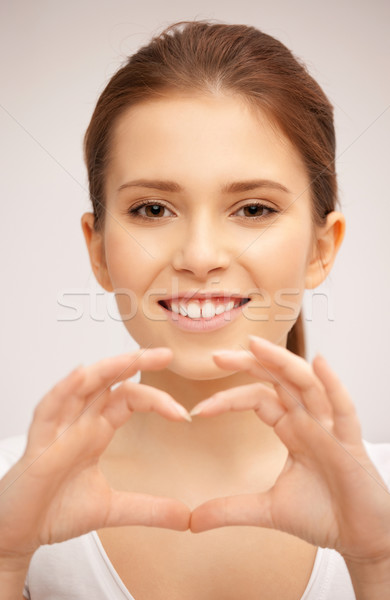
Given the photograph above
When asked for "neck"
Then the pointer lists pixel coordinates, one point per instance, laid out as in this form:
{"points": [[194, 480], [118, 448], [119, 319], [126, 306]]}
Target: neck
{"points": [[233, 438], [189, 391]]}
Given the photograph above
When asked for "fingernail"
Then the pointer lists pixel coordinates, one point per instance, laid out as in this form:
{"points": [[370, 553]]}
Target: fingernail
{"points": [[182, 411], [159, 350], [199, 407], [224, 353], [260, 340], [321, 357]]}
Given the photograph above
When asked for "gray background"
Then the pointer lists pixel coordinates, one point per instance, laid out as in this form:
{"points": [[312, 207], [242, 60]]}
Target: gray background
{"points": [[56, 58]]}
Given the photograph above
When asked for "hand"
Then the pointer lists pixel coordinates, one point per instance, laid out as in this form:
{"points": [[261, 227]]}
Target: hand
{"points": [[56, 490], [329, 492]]}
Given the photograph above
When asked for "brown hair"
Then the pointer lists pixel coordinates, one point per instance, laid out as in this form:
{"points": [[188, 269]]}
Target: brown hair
{"points": [[206, 57]]}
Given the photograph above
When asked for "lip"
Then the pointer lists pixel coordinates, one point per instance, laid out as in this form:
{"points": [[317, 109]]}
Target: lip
{"points": [[199, 295], [203, 325]]}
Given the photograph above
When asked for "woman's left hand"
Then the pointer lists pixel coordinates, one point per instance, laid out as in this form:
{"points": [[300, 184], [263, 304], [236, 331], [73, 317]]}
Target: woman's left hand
{"points": [[329, 492]]}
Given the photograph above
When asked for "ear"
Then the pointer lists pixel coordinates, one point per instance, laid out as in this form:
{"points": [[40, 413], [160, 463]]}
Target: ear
{"points": [[95, 244], [327, 241]]}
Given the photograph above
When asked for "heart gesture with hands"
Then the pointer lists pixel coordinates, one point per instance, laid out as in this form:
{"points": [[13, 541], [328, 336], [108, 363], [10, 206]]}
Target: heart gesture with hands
{"points": [[329, 492], [57, 490]]}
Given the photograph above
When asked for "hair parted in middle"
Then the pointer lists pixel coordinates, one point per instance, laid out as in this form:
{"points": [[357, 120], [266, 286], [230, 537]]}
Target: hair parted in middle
{"points": [[202, 57]]}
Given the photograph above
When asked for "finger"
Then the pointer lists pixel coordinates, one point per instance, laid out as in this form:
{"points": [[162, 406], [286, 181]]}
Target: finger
{"points": [[70, 395], [293, 373], [337, 392], [51, 404], [300, 426], [144, 360], [112, 370], [257, 396], [292, 377], [243, 509], [129, 508], [345, 415], [238, 360], [130, 397]]}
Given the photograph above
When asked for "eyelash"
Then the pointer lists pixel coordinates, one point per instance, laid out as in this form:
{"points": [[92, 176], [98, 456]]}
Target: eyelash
{"points": [[134, 211]]}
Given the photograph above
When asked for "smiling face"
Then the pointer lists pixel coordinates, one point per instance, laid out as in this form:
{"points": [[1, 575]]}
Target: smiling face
{"points": [[193, 227]]}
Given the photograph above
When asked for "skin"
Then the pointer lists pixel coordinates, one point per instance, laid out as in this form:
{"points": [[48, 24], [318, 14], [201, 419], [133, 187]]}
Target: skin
{"points": [[202, 143], [59, 471], [204, 241], [300, 414]]}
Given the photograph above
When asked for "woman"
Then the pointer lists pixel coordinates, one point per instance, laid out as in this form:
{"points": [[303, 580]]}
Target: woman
{"points": [[210, 158]]}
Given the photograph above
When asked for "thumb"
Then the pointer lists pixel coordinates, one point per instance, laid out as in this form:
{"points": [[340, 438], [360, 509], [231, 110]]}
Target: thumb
{"points": [[243, 509], [128, 508]]}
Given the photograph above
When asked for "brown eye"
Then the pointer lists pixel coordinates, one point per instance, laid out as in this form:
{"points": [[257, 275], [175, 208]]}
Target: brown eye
{"points": [[253, 210], [150, 210], [256, 211], [154, 210]]}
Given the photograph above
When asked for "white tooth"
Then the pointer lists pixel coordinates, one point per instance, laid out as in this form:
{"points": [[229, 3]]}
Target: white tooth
{"points": [[208, 310], [182, 310], [229, 305], [193, 309], [219, 309], [175, 307]]}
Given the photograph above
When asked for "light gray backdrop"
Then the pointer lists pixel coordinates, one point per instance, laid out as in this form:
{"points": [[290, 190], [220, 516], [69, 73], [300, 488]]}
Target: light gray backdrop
{"points": [[56, 58]]}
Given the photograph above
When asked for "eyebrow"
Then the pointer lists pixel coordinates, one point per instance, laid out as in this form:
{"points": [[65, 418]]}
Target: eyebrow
{"points": [[229, 188]]}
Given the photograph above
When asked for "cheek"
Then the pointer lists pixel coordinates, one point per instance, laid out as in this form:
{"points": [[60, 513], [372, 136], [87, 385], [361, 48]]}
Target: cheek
{"points": [[280, 255], [132, 264], [278, 263]]}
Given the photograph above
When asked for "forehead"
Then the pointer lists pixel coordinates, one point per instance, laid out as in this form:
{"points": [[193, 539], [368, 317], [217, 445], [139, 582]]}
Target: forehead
{"points": [[215, 137]]}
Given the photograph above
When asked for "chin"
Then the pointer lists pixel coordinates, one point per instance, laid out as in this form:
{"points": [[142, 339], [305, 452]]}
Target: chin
{"points": [[198, 370]]}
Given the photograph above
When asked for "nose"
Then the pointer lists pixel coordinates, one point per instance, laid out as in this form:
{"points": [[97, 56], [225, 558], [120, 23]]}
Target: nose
{"points": [[202, 248]]}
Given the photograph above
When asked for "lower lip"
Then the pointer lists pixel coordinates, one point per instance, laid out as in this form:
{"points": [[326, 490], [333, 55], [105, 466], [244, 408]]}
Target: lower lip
{"points": [[187, 324]]}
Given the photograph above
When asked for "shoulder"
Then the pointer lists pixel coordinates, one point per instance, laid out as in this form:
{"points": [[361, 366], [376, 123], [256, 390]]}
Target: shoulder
{"points": [[379, 453], [11, 449]]}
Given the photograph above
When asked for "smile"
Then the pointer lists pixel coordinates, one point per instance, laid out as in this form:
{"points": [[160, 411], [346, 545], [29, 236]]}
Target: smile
{"points": [[203, 314]]}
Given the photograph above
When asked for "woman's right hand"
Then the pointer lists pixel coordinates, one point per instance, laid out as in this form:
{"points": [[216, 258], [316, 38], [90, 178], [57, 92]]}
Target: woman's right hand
{"points": [[57, 491]]}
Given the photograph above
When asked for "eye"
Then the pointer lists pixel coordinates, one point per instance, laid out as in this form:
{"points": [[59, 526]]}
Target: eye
{"points": [[256, 210], [149, 210]]}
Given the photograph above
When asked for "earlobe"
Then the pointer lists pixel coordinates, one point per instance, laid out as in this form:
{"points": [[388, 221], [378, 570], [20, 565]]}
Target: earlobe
{"points": [[328, 239], [95, 245]]}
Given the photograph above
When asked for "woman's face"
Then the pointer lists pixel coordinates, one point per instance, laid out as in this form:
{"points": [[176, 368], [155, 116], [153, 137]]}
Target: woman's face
{"points": [[207, 229]]}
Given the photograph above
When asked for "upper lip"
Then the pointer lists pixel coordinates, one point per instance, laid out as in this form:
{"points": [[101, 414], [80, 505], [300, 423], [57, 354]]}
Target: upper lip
{"points": [[196, 295]]}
